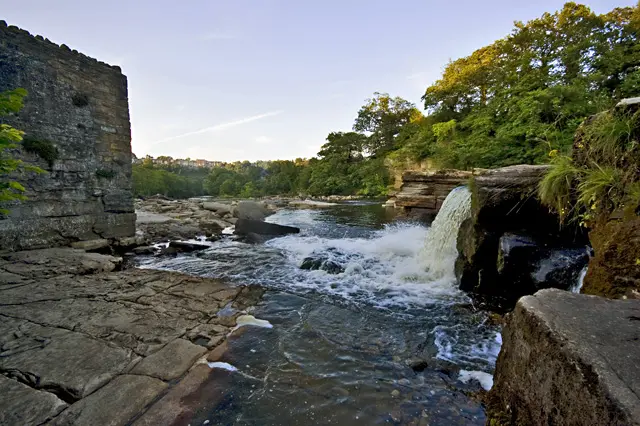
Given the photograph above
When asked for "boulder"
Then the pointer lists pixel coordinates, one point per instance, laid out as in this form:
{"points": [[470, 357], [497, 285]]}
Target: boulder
{"points": [[251, 210], [568, 359], [247, 226], [322, 263], [219, 208], [187, 247], [144, 250]]}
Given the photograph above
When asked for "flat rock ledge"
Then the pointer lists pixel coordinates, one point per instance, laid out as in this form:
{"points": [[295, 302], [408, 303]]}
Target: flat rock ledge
{"points": [[569, 359], [82, 343]]}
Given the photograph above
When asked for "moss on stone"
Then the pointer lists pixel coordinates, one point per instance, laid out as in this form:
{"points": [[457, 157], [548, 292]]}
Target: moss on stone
{"points": [[105, 174], [80, 99], [43, 148]]}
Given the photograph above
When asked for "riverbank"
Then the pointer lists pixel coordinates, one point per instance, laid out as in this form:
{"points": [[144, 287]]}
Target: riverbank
{"points": [[83, 342]]}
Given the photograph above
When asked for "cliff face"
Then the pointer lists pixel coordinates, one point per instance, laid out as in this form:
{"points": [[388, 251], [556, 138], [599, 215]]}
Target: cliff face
{"points": [[78, 107], [614, 270], [422, 193]]}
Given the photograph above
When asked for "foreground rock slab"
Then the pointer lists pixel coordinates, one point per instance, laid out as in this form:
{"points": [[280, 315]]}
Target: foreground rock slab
{"points": [[84, 344], [22, 405], [569, 359]]}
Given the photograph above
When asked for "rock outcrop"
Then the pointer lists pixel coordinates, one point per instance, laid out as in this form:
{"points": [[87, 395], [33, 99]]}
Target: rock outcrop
{"points": [[569, 359], [422, 193], [76, 123], [614, 271], [512, 245]]}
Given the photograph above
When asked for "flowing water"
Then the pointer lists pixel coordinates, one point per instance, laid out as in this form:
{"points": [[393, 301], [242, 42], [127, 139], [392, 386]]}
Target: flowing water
{"points": [[382, 337]]}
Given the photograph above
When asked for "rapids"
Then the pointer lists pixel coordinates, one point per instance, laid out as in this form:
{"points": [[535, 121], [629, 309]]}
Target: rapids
{"points": [[387, 339]]}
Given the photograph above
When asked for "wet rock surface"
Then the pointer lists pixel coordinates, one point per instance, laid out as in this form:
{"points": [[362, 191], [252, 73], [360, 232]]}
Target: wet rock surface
{"points": [[76, 332], [614, 271], [569, 359]]}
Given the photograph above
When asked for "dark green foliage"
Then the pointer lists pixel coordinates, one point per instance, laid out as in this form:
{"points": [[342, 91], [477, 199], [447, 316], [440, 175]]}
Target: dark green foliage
{"points": [[105, 174], [80, 99], [43, 148], [174, 182]]}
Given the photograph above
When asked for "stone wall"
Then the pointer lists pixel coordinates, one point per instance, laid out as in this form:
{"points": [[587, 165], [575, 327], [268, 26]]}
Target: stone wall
{"points": [[80, 106]]}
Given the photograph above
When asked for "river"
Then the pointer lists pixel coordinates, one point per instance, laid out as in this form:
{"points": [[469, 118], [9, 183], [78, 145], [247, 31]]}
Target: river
{"points": [[381, 336]]}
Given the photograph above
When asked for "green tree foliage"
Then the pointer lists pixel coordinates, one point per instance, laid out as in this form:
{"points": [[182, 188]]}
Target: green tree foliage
{"points": [[383, 117], [171, 181], [10, 190], [525, 95]]}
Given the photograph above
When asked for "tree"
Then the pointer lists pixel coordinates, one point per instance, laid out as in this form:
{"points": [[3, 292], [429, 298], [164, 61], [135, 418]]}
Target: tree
{"points": [[383, 117], [346, 146]]}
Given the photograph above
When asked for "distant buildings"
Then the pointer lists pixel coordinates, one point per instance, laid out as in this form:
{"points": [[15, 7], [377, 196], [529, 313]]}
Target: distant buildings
{"points": [[170, 161]]}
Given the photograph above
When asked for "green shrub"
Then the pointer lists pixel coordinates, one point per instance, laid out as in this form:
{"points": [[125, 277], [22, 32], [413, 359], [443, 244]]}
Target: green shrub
{"points": [[43, 148], [604, 174], [556, 189], [105, 174]]}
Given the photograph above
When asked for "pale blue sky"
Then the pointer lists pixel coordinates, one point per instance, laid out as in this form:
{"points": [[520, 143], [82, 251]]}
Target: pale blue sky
{"points": [[268, 79]]}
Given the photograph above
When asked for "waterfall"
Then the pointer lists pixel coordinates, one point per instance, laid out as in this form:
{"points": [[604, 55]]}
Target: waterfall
{"points": [[440, 251], [577, 286]]}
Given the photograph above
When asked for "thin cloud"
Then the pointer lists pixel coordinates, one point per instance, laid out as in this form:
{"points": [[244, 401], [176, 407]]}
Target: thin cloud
{"points": [[222, 126], [418, 75], [264, 139], [218, 36]]}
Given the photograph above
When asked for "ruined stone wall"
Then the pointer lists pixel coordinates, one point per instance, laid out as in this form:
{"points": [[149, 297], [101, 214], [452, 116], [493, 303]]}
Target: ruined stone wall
{"points": [[80, 106]]}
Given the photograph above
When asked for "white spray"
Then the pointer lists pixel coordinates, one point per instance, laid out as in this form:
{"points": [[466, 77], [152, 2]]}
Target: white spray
{"points": [[440, 252]]}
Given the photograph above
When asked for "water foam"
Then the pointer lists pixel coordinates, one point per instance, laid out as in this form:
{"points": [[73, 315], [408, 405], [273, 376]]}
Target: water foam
{"points": [[440, 252], [485, 379], [577, 286]]}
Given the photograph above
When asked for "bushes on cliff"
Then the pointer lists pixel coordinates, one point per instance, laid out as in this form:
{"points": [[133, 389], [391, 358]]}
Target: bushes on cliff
{"points": [[603, 174]]}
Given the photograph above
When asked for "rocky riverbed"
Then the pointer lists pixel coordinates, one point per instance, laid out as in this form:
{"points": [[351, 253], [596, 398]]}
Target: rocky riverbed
{"points": [[84, 343]]}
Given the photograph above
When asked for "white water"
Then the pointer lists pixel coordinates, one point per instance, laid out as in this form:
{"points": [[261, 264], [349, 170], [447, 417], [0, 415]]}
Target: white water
{"points": [[577, 286], [440, 252]]}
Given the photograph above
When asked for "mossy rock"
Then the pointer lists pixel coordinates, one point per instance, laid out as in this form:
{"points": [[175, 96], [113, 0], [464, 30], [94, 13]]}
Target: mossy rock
{"points": [[43, 148], [614, 271]]}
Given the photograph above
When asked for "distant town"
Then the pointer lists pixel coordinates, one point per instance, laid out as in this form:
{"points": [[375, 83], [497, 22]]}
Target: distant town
{"points": [[170, 161]]}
